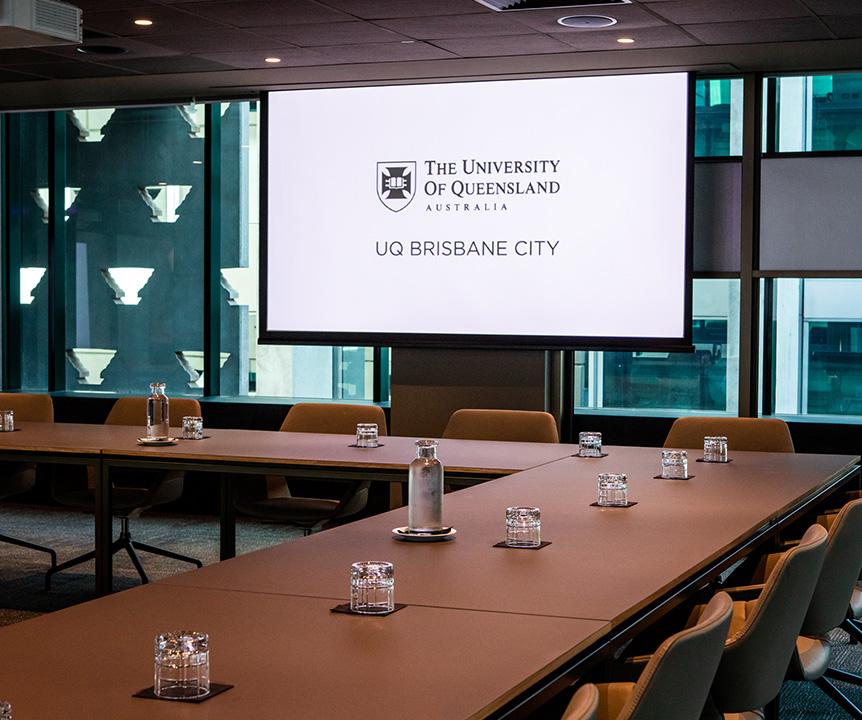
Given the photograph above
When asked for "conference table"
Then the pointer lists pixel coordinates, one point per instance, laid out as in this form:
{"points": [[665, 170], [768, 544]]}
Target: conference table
{"points": [[487, 632], [227, 454]]}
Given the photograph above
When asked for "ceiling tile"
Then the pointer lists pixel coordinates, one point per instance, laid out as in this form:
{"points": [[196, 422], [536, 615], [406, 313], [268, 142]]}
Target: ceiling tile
{"points": [[257, 13], [379, 9], [504, 45], [19, 56], [835, 7], [650, 37], [134, 49], [66, 70], [384, 52], [165, 20], [780, 30], [845, 26], [342, 33], [627, 16], [290, 57], [9, 76], [455, 26], [173, 64], [216, 41], [690, 12], [96, 5]]}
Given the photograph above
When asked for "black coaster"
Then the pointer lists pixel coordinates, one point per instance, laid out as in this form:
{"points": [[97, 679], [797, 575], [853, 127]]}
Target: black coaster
{"points": [[215, 689], [715, 462], [589, 457], [367, 448], [509, 547], [204, 437], [659, 477], [345, 609], [613, 507]]}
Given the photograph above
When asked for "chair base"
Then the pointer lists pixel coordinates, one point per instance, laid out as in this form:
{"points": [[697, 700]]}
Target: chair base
{"points": [[844, 676], [123, 542], [839, 697], [31, 546], [854, 629]]}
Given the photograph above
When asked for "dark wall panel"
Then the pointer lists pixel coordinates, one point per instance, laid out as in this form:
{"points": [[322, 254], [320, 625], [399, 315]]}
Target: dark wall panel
{"points": [[717, 224]]}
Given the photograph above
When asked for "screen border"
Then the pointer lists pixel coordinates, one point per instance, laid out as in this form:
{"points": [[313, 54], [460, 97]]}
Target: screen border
{"points": [[479, 341]]}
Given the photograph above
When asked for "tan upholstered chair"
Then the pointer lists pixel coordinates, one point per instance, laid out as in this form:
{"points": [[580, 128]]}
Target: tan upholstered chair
{"points": [[278, 504], [18, 478], [508, 425], [763, 434], [675, 682], [763, 631], [132, 493], [828, 609]]}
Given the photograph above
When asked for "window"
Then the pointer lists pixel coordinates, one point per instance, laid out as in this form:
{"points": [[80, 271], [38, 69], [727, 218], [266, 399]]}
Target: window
{"points": [[705, 380], [815, 113], [817, 346], [718, 117]]}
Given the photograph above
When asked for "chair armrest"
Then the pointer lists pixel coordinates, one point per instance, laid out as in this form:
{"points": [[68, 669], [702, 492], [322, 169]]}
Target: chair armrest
{"points": [[744, 592]]}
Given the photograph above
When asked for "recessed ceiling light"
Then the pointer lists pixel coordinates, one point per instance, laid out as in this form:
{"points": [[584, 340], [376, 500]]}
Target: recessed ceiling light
{"points": [[272, 59], [197, 162], [143, 22], [587, 22], [407, 42], [625, 41]]}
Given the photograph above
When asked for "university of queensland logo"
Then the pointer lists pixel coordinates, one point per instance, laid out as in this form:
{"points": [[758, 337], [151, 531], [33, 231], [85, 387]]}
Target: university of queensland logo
{"points": [[396, 183]]}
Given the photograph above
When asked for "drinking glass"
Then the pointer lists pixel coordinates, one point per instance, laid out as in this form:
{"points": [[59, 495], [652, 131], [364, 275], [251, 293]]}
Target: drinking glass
{"points": [[366, 435], [674, 464], [7, 420], [523, 527], [182, 665], [613, 490], [193, 427], [715, 449], [372, 587], [590, 444]]}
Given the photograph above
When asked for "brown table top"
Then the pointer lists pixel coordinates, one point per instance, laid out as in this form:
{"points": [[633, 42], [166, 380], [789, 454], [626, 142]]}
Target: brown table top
{"points": [[602, 563], [281, 448], [287, 657]]}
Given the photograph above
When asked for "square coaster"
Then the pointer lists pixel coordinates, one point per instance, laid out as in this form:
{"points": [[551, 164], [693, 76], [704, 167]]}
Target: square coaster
{"points": [[590, 457], [613, 507], [367, 448], [345, 609], [202, 437], [659, 477], [215, 689], [544, 543], [715, 462]]}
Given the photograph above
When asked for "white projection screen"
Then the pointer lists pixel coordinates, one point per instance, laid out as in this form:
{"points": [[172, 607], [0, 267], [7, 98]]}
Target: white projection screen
{"points": [[540, 213]]}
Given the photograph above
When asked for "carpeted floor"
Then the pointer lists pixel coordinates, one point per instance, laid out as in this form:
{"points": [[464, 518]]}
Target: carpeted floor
{"points": [[22, 571], [22, 577]]}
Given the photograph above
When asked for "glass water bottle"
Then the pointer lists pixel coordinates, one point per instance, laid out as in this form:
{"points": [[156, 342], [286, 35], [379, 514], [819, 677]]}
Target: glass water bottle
{"points": [[425, 489], [158, 417]]}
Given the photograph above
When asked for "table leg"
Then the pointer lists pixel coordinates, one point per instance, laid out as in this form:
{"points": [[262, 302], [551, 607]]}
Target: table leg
{"points": [[227, 521], [104, 530]]}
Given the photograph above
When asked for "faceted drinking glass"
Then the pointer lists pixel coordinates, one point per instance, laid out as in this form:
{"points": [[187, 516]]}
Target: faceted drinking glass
{"points": [[182, 665], [523, 527], [372, 587]]}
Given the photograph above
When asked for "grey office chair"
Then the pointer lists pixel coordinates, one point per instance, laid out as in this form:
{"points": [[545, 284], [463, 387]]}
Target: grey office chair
{"points": [[675, 682], [763, 631], [130, 500], [278, 504], [18, 478]]}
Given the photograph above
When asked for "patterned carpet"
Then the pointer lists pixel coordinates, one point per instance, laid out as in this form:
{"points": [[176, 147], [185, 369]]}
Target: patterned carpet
{"points": [[22, 593]]}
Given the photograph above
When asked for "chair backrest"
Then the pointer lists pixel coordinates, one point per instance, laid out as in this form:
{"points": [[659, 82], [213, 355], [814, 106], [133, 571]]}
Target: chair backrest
{"points": [[763, 434], [133, 411], [584, 705], [507, 425], [32, 407], [758, 652], [675, 683], [332, 418], [839, 574]]}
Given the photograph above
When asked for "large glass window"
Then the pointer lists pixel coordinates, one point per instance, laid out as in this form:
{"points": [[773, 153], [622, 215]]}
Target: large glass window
{"points": [[816, 112], [249, 368], [706, 380], [135, 178], [817, 347], [718, 117]]}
